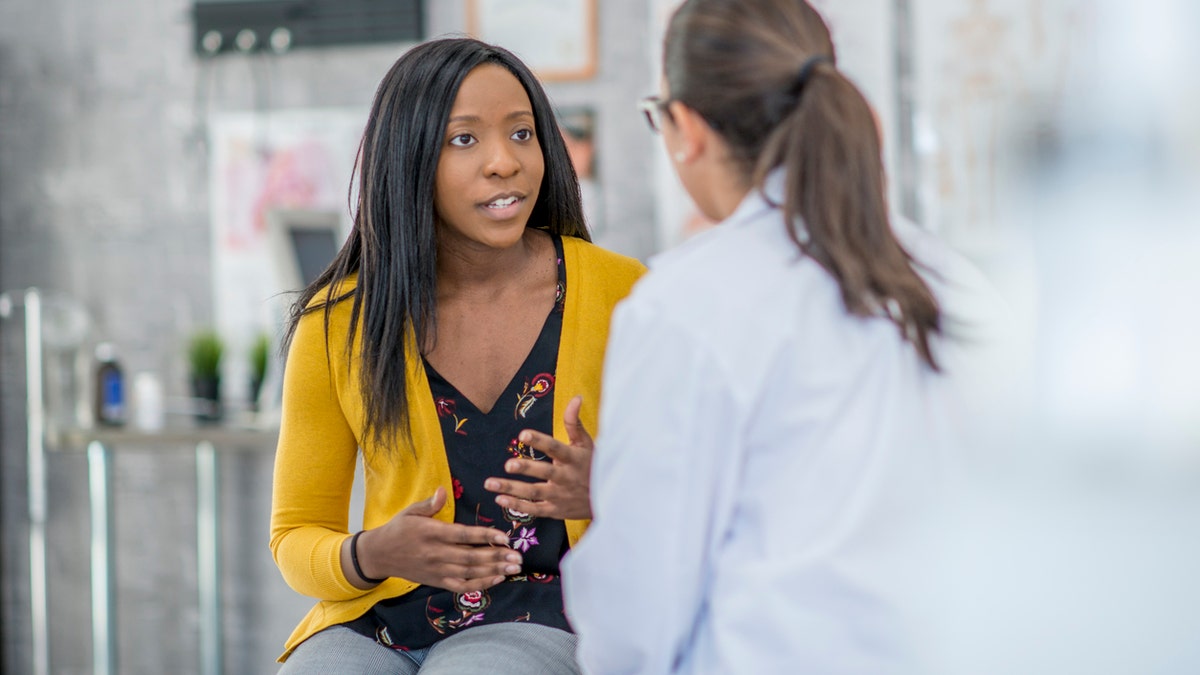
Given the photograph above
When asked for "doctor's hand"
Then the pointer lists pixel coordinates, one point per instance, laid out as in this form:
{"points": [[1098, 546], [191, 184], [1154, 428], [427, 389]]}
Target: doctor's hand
{"points": [[414, 545], [562, 487]]}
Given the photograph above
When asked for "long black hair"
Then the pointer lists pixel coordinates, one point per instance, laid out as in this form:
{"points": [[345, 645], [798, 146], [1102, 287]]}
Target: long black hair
{"points": [[392, 248], [763, 73]]}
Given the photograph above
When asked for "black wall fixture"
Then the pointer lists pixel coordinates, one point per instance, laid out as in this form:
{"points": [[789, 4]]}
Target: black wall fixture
{"points": [[282, 25]]}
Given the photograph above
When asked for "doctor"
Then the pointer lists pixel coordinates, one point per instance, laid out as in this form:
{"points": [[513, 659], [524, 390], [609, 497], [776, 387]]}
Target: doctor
{"points": [[780, 409]]}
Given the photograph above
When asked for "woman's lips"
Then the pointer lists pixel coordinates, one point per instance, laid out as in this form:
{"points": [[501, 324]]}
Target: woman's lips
{"points": [[503, 208]]}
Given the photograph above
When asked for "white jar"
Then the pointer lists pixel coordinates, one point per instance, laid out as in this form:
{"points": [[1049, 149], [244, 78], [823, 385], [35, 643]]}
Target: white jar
{"points": [[148, 404]]}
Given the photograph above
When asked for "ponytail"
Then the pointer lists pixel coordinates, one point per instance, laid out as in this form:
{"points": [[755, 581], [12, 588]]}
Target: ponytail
{"points": [[763, 74], [835, 204]]}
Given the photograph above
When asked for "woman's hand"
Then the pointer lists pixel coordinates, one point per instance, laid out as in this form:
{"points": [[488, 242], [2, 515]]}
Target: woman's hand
{"points": [[563, 492], [414, 545]]}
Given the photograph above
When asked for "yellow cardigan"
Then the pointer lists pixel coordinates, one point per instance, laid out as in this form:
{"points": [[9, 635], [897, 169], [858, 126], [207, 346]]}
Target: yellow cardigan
{"points": [[322, 428]]}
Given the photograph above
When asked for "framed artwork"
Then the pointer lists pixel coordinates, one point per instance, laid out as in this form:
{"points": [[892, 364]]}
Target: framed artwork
{"points": [[578, 127], [556, 38]]}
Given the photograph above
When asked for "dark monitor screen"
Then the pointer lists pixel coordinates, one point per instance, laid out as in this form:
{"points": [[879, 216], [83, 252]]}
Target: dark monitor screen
{"points": [[314, 249]]}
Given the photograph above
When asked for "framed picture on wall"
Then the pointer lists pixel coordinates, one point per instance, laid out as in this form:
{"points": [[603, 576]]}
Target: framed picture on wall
{"points": [[578, 127], [556, 38]]}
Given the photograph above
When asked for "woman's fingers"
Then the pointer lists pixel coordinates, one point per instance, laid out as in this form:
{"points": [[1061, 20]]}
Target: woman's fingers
{"points": [[556, 450], [471, 566], [472, 556], [520, 489], [448, 555], [427, 508], [539, 509], [456, 585], [576, 433], [543, 471], [467, 535], [478, 570]]}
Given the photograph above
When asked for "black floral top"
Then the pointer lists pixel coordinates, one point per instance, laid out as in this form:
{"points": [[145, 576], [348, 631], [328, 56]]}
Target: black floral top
{"points": [[477, 446]]}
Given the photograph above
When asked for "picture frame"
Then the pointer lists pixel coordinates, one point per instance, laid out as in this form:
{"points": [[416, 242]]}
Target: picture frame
{"points": [[557, 39]]}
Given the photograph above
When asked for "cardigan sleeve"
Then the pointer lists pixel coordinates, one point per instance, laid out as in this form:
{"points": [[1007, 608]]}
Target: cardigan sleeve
{"points": [[597, 281], [314, 466]]}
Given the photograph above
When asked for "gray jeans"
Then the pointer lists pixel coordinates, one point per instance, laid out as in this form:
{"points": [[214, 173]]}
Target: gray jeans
{"points": [[494, 649]]}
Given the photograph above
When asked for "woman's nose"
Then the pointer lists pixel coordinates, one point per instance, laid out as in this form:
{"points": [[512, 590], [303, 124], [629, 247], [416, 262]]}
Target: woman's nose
{"points": [[501, 161]]}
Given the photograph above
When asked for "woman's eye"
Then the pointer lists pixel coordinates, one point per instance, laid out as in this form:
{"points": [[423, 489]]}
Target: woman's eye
{"points": [[462, 140], [523, 135]]}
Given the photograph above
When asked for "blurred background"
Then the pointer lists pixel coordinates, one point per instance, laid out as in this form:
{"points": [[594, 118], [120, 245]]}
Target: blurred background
{"points": [[170, 168]]}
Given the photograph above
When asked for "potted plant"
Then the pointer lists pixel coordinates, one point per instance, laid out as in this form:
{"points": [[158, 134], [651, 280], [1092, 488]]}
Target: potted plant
{"points": [[260, 357], [204, 363]]}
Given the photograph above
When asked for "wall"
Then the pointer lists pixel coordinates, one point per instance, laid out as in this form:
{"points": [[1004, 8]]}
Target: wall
{"points": [[104, 198]]}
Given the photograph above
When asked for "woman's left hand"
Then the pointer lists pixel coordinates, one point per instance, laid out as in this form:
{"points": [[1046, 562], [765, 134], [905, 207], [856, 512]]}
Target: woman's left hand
{"points": [[563, 490]]}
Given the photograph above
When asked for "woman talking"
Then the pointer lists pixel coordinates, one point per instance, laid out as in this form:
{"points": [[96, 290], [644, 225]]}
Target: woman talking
{"points": [[466, 308]]}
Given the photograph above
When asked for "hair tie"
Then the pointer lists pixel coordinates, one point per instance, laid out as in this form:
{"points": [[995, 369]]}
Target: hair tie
{"points": [[806, 72]]}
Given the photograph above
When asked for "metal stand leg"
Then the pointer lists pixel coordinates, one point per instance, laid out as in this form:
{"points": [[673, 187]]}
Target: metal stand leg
{"points": [[209, 556], [103, 627], [36, 457]]}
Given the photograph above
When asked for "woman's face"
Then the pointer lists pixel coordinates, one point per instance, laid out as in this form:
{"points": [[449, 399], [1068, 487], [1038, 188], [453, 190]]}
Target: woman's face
{"points": [[491, 165]]}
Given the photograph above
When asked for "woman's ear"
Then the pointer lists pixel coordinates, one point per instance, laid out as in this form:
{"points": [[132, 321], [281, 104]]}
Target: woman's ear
{"points": [[691, 131]]}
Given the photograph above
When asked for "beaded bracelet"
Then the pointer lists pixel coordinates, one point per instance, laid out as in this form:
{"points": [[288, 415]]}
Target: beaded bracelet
{"points": [[354, 559]]}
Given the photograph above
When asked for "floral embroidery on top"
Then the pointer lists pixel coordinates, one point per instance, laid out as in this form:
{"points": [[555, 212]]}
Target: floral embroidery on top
{"points": [[535, 388], [470, 605], [534, 577], [427, 614], [482, 520], [522, 541], [472, 601], [383, 637], [516, 518], [446, 408], [526, 539], [518, 449]]}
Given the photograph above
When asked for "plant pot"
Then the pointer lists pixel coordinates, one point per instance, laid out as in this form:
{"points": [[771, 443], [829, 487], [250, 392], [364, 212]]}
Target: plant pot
{"points": [[206, 395]]}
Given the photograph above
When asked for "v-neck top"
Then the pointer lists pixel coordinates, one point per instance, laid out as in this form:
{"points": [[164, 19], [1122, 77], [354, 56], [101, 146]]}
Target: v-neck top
{"points": [[323, 435], [477, 446]]}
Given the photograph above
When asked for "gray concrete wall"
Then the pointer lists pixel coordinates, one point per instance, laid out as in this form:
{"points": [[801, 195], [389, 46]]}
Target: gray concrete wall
{"points": [[104, 198]]}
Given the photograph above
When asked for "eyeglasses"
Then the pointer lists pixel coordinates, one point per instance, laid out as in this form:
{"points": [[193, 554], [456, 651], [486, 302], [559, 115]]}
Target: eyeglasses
{"points": [[654, 108]]}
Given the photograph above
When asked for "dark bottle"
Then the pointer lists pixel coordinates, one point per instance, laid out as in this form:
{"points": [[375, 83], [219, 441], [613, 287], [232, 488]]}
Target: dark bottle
{"points": [[110, 387]]}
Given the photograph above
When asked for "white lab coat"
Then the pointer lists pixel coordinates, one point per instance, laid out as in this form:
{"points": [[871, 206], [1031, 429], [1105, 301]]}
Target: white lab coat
{"points": [[767, 467]]}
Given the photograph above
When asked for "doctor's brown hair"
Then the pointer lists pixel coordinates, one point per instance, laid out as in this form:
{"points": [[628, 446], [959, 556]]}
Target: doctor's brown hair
{"points": [[763, 74]]}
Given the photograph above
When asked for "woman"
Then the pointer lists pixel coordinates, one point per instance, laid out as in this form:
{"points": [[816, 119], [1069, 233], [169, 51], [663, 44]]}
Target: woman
{"points": [[466, 306], [778, 393]]}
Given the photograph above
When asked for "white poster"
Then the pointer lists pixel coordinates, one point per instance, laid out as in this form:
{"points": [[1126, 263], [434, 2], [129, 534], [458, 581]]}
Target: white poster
{"points": [[261, 164], [983, 69]]}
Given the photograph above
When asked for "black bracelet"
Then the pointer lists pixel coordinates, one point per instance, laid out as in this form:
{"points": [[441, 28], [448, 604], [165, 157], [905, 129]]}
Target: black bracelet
{"points": [[354, 559]]}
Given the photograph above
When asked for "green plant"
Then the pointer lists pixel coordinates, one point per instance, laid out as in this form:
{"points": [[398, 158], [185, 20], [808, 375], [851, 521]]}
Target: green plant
{"points": [[260, 355], [204, 354]]}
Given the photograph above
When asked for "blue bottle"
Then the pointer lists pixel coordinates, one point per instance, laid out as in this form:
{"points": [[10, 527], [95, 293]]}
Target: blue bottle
{"points": [[110, 387]]}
